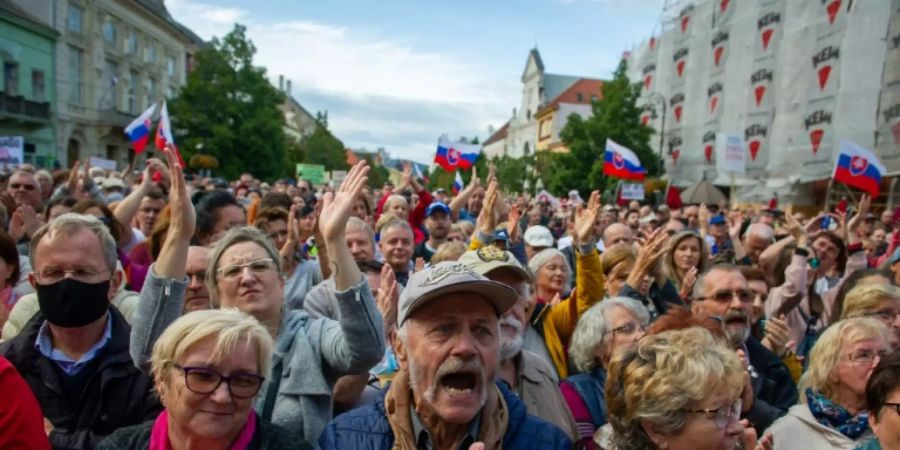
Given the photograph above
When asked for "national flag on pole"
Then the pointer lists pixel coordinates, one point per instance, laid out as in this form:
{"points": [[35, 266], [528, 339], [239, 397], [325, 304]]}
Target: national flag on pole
{"points": [[455, 155], [858, 167], [164, 133], [138, 131], [620, 162], [457, 184]]}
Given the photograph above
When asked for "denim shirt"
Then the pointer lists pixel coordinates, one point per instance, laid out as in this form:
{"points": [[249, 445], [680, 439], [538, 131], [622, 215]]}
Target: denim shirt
{"points": [[44, 345]]}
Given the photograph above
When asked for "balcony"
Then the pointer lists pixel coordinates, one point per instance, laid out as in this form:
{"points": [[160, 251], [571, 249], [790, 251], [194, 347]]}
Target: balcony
{"points": [[26, 109]]}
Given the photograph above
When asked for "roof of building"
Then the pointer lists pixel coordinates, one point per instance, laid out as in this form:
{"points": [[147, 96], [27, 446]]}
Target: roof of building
{"points": [[584, 87], [158, 8], [498, 135], [534, 53], [10, 8]]}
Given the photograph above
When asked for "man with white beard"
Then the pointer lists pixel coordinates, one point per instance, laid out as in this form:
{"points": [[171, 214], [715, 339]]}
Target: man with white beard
{"points": [[524, 372]]}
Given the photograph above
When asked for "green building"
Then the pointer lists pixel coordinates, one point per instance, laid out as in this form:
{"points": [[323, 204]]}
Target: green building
{"points": [[28, 89]]}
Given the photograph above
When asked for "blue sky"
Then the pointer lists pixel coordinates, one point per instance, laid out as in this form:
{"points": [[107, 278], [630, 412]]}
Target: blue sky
{"points": [[399, 73]]}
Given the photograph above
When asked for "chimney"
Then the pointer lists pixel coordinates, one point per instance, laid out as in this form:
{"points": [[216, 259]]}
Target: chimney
{"points": [[288, 87], [280, 82]]}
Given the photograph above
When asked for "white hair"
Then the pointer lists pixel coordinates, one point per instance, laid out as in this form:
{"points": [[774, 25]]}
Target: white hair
{"points": [[594, 326], [543, 257]]}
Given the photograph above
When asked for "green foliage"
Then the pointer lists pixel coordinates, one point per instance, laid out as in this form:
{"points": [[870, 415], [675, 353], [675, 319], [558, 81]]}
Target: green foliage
{"points": [[228, 109], [615, 116], [321, 147]]}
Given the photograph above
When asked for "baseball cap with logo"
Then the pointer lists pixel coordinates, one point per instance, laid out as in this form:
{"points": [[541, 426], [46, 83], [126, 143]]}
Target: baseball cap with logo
{"points": [[538, 236], [436, 207], [489, 258], [447, 278]]}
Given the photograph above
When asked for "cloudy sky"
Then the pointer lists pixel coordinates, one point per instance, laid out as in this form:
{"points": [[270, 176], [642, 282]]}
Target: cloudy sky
{"points": [[399, 73]]}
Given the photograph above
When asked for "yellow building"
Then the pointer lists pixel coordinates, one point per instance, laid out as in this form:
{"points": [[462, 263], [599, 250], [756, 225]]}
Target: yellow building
{"points": [[552, 118]]}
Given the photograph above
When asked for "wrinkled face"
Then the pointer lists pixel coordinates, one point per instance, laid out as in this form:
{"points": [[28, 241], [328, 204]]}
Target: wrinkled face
{"points": [[760, 294], [257, 289], [624, 332], [229, 216], [552, 276], [886, 422], [722, 298], [217, 415], [827, 252], [452, 350], [476, 201], [701, 431], [514, 322], [277, 232], [855, 364], [691, 213], [25, 190], [196, 297], [399, 208], [360, 245], [755, 245], [618, 234], [148, 213], [687, 253], [397, 247], [438, 225], [78, 253]]}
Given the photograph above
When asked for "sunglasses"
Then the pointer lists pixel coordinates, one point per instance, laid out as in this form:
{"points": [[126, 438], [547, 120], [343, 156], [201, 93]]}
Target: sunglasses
{"points": [[744, 295]]}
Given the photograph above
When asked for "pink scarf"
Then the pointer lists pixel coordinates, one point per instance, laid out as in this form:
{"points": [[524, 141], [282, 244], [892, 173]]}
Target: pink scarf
{"points": [[159, 436]]}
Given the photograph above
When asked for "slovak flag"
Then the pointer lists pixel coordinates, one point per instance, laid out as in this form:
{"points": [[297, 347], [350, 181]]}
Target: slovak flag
{"points": [[138, 131], [457, 184], [858, 167], [164, 133], [622, 163], [455, 155]]}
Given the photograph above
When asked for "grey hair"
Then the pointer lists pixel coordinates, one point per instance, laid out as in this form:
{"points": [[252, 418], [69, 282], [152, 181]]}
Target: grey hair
{"points": [[543, 257], [760, 229], [233, 237], [71, 223], [700, 284], [395, 198], [594, 326], [396, 223], [355, 224]]}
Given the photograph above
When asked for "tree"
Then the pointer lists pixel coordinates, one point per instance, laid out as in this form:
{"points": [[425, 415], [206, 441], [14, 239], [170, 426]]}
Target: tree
{"points": [[321, 147], [615, 116], [229, 110]]}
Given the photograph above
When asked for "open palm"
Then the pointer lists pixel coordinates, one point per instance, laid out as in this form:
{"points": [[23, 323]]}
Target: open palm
{"points": [[337, 207]]}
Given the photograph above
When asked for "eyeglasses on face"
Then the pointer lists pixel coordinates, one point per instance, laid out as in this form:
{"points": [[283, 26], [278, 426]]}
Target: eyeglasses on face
{"points": [[895, 405], [721, 415], [257, 267], [50, 275], [886, 315], [629, 329], [203, 380], [27, 187], [744, 295], [866, 356]]}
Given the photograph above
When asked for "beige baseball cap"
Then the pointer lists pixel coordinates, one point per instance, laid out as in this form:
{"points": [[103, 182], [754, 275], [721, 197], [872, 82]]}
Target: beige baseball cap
{"points": [[447, 278], [489, 258]]}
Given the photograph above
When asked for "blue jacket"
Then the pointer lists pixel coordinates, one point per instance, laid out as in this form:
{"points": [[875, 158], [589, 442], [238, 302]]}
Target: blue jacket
{"points": [[367, 428]]}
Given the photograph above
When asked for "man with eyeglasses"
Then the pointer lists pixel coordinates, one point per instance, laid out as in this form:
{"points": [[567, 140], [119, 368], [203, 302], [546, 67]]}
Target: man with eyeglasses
{"points": [[74, 352], [196, 295], [723, 293], [25, 191]]}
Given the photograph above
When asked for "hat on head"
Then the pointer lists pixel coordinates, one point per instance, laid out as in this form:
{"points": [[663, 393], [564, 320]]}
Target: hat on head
{"points": [[489, 258], [436, 207], [649, 218], [717, 219], [450, 277], [538, 236], [500, 235], [111, 183]]}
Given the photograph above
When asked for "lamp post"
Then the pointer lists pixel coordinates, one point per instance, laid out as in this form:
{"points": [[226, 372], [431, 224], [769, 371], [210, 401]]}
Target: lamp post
{"points": [[657, 97]]}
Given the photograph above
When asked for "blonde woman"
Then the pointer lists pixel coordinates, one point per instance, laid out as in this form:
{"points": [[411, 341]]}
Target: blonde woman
{"points": [[877, 301]]}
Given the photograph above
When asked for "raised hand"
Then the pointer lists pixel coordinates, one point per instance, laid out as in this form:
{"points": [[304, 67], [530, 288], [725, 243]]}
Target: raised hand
{"points": [[852, 226], [777, 335], [286, 252], [486, 220], [512, 223], [72, 182], [735, 223], [687, 284], [797, 231], [585, 218], [407, 176], [337, 206], [647, 258], [420, 264], [387, 298], [183, 221]]}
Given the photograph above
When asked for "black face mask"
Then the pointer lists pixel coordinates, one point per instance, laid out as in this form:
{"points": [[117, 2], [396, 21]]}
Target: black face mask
{"points": [[71, 303]]}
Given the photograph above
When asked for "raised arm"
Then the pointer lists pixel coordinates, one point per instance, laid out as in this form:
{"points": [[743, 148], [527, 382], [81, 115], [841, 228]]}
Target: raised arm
{"points": [[456, 205], [336, 209]]}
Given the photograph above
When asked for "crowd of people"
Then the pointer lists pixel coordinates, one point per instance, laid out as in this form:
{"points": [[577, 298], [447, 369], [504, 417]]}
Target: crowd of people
{"points": [[152, 309]]}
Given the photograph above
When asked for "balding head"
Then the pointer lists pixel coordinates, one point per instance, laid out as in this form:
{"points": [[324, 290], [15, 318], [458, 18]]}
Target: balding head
{"points": [[617, 233], [758, 237]]}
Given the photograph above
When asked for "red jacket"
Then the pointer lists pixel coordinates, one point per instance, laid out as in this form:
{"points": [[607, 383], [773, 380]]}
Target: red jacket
{"points": [[416, 216], [21, 419]]}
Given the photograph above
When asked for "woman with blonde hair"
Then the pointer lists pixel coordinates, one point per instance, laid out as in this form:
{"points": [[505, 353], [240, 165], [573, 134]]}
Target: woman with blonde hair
{"points": [[832, 411], [208, 366], [877, 301], [679, 389]]}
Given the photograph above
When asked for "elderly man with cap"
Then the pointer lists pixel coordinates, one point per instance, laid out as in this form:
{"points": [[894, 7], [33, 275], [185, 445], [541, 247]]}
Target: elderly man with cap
{"points": [[717, 235], [531, 376], [444, 396], [537, 238], [437, 222]]}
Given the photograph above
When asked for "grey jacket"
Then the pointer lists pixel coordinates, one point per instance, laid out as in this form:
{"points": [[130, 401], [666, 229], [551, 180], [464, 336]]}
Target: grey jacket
{"points": [[310, 354]]}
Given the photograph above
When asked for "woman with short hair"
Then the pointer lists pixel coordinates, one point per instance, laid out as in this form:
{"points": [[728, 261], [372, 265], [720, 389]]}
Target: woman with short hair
{"points": [[832, 412], [877, 301], [612, 325], [208, 366], [679, 389], [883, 402]]}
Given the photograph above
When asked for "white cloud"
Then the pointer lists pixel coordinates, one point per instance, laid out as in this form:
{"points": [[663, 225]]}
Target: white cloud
{"points": [[363, 70]]}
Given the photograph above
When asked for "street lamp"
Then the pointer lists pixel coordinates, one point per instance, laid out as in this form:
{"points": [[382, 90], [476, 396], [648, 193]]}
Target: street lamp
{"points": [[657, 97]]}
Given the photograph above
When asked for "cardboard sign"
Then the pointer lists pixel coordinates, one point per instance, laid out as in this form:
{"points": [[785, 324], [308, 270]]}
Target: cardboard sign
{"points": [[12, 150], [314, 173], [632, 191], [730, 153], [106, 164]]}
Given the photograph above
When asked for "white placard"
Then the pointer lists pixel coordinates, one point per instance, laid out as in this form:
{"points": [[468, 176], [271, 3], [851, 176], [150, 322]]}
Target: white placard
{"points": [[12, 150], [632, 191], [731, 154], [337, 177], [106, 164]]}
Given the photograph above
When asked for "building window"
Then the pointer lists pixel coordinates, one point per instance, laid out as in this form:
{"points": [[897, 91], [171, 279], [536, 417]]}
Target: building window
{"points": [[579, 97], [132, 91], [527, 149], [37, 86], [11, 78], [528, 114], [109, 97], [76, 59], [170, 66], [150, 52], [109, 31], [149, 91], [75, 15], [170, 91], [593, 98], [131, 43]]}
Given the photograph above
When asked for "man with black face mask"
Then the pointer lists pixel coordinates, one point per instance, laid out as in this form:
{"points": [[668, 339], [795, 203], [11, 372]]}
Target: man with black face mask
{"points": [[74, 353]]}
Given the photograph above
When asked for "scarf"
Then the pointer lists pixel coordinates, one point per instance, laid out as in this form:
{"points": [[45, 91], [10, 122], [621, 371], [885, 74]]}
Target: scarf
{"points": [[397, 401], [159, 435], [834, 416]]}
